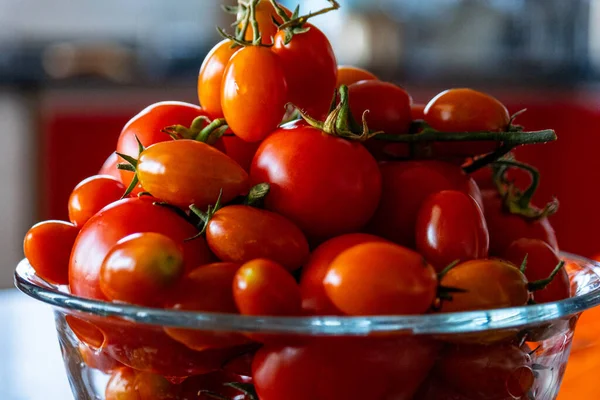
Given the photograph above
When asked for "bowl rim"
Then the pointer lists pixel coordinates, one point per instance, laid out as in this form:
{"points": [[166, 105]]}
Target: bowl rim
{"points": [[442, 323]]}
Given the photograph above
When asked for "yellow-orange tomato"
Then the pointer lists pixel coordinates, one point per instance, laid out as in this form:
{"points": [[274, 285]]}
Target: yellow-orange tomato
{"points": [[347, 75], [185, 172], [210, 77]]}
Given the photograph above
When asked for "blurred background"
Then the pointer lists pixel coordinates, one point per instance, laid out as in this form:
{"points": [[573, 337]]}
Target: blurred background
{"points": [[72, 73]]}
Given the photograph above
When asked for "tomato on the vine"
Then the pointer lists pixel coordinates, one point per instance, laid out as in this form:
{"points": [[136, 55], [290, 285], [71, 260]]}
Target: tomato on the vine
{"points": [[265, 14], [210, 77], [347, 75], [91, 195]]}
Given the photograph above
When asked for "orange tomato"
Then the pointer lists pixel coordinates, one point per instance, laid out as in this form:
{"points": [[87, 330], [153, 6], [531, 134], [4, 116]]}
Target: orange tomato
{"points": [[347, 75], [210, 77]]}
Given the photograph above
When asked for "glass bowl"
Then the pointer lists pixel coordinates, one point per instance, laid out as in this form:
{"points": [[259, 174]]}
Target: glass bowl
{"points": [[514, 353]]}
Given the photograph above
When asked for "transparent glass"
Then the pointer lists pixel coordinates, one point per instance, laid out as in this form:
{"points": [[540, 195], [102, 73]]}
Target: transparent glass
{"points": [[514, 353]]}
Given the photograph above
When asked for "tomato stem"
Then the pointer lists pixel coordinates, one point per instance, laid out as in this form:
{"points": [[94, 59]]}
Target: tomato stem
{"points": [[487, 159], [513, 138], [205, 217], [256, 195], [246, 388], [542, 283], [523, 266], [447, 269], [257, 39], [298, 22]]}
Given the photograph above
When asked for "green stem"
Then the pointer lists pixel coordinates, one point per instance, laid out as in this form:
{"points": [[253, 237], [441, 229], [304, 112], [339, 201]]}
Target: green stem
{"points": [[514, 138], [257, 39], [542, 283], [488, 158], [284, 17], [204, 135], [299, 21], [525, 198]]}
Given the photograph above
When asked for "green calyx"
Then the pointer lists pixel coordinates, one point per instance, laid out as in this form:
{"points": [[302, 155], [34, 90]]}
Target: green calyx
{"points": [[246, 18], [543, 283], [202, 129], [131, 165], [296, 24]]}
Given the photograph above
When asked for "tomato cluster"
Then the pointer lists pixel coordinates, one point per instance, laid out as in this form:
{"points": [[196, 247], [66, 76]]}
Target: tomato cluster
{"points": [[225, 208]]}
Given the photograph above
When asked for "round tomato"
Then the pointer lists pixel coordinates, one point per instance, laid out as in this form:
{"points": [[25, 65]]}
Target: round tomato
{"points": [[186, 172], [263, 287], [541, 261], [381, 279], [92, 195], [47, 246], [451, 227], [254, 93], [406, 185], [121, 385], [347, 75], [110, 167], [326, 185], [310, 70], [505, 227], [314, 298], [121, 219], [239, 150], [210, 77], [242, 233]]}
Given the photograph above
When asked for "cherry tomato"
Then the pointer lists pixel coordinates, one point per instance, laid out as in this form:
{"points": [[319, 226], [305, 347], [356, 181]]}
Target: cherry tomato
{"points": [[263, 287], [147, 126], [110, 167], [450, 227], [254, 93], [240, 151], [155, 387], [92, 195], [310, 70], [121, 385], [326, 185], [314, 297], [505, 227], [121, 219], [141, 268], [417, 111], [347, 75], [541, 261], [265, 13], [488, 284], [47, 246], [98, 359], [210, 77], [207, 289], [381, 279], [406, 185], [185, 172], [242, 233], [487, 372]]}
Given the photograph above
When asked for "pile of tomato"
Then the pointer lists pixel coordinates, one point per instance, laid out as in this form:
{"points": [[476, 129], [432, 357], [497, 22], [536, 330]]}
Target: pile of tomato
{"points": [[270, 199]]}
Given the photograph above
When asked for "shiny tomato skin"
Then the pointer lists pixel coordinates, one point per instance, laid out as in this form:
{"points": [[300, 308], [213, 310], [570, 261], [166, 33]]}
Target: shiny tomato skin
{"points": [[110, 167], [47, 247], [254, 93], [92, 195], [239, 150], [185, 172], [121, 219], [451, 227], [310, 172], [488, 284], [263, 287], [210, 77], [147, 126], [311, 70], [242, 233], [348, 75], [121, 385], [541, 261], [406, 185], [314, 298], [505, 227], [381, 279]]}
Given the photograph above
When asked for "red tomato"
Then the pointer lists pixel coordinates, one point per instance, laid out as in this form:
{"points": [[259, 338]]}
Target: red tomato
{"points": [[263, 287], [406, 185], [505, 227], [242, 233], [149, 123], [451, 227], [347, 75], [488, 284], [92, 195], [86, 331], [310, 70], [326, 185], [121, 219], [185, 172], [97, 359], [541, 261], [47, 246], [254, 93], [210, 77], [344, 369], [110, 167], [381, 279], [240, 151], [121, 385], [417, 111], [314, 297]]}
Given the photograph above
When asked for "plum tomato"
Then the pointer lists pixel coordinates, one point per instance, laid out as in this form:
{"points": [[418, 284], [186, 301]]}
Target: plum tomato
{"points": [[314, 298], [47, 247], [451, 227], [310, 69], [381, 279], [488, 284], [263, 287], [265, 14], [92, 195], [141, 269], [505, 227], [110, 167], [239, 150], [541, 261], [242, 233], [347, 75], [254, 93], [121, 219], [121, 385], [186, 172], [405, 186], [210, 77], [147, 126], [327, 185]]}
